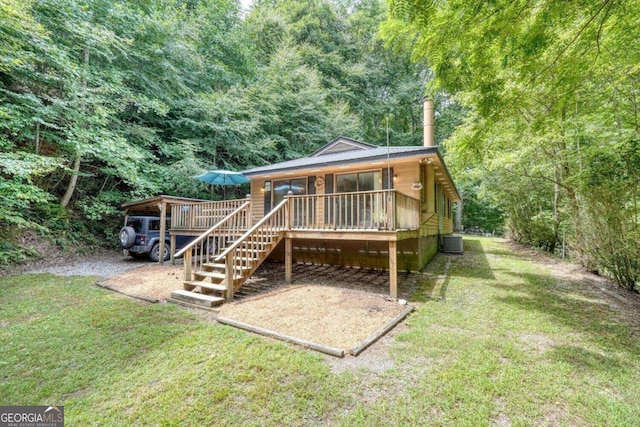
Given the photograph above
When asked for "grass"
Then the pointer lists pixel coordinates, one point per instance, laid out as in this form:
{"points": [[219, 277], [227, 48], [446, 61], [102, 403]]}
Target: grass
{"points": [[500, 341]]}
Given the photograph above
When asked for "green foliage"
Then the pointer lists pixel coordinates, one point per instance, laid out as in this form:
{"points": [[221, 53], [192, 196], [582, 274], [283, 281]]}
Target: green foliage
{"points": [[549, 88], [479, 211], [104, 102]]}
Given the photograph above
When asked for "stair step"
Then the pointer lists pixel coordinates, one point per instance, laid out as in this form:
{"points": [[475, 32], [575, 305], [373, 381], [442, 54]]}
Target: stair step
{"points": [[223, 266], [244, 258], [196, 298], [213, 275], [206, 285]]}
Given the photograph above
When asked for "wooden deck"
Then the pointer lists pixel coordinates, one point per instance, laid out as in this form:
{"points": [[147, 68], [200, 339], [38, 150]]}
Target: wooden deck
{"points": [[229, 248]]}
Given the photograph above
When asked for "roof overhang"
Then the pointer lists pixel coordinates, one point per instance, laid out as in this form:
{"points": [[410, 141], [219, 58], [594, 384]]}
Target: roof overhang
{"points": [[333, 163], [329, 161]]}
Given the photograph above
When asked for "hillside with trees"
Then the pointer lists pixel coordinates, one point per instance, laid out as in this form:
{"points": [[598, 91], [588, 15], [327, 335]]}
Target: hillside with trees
{"points": [[103, 102]]}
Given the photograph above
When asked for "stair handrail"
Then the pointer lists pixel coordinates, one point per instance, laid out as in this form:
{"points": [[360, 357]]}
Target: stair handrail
{"points": [[249, 232], [205, 234]]}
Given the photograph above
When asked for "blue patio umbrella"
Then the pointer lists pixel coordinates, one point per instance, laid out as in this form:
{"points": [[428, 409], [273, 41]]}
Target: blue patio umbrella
{"points": [[223, 177]]}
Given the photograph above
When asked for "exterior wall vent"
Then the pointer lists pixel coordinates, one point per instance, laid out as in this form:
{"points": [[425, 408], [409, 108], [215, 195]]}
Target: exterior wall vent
{"points": [[452, 244]]}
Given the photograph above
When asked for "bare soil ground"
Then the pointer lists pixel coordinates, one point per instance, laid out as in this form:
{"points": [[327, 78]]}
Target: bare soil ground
{"points": [[157, 281], [336, 317], [151, 281], [334, 306]]}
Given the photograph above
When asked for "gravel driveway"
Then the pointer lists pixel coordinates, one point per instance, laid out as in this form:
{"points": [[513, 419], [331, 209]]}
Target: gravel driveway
{"points": [[104, 266]]}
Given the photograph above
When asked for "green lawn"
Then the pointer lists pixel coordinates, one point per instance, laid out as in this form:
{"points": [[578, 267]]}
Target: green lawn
{"points": [[499, 342]]}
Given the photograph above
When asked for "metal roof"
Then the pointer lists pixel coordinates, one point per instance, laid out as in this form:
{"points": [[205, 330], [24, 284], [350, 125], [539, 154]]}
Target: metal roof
{"points": [[341, 158]]}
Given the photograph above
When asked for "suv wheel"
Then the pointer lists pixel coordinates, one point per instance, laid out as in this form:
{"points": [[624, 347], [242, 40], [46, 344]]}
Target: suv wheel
{"points": [[155, 252], [127, 237]]}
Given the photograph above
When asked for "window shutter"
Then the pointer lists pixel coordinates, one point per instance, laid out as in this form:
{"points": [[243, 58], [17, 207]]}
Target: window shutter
{"points": [[387, 178]]}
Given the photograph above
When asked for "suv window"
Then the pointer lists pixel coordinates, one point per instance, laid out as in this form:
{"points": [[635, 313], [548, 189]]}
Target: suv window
{"points": [[136, 224], [154, 225]]}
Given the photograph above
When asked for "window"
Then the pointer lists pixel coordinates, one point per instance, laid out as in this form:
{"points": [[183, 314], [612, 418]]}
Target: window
{"points": [[297, 186], [154, 224], [359, 210], [136, 224], [363, 181]]}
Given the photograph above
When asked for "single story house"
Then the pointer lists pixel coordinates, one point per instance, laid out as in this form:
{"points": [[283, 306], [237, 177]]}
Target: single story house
{"points": [[350, 203]]}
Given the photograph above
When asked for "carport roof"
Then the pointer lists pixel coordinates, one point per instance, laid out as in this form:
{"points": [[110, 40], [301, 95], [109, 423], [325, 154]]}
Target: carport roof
{"points": [[153, 204]]}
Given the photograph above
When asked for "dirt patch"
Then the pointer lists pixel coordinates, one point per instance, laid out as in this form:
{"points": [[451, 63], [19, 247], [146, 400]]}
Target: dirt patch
{"points": [[335, 317], [343, 303], [151, 281]]}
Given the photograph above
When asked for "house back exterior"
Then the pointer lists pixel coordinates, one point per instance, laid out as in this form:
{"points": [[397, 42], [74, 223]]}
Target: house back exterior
{"points": [[351, 199], [350, 203]]}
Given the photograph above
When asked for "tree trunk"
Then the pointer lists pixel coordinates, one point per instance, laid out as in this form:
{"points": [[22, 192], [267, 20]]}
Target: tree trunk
{"points": [[72, 182], [37, 139], [77, 159], [458, 226]]}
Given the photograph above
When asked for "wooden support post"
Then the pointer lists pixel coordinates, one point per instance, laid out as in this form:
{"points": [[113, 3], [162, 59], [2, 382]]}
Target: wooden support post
{"points": [[173, 249], [187, 265], [163, 229], [249, 219], [288, 260], [288, 213], [228, 272], [393, 269]]}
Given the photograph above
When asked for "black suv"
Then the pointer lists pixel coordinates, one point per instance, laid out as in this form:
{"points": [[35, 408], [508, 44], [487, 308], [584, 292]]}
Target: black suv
{"points": [[141, 237]]}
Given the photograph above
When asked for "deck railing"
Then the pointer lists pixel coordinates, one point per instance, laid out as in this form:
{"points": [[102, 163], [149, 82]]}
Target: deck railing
{"points": [[201, 215], [367, 210], [407, 212], [214, 240]]}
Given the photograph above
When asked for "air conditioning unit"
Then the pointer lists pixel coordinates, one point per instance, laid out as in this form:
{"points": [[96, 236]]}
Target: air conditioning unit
{"points": [[452, 244]]}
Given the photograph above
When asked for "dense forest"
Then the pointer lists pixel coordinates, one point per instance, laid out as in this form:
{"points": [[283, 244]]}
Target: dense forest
{"points": [[103, 102]]}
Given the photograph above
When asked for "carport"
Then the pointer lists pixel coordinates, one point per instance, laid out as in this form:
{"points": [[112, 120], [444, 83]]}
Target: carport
{"points": [[156, 206]]}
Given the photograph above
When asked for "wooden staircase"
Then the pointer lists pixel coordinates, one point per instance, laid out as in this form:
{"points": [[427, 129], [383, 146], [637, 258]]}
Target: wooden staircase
{"points": [[217, 274]]}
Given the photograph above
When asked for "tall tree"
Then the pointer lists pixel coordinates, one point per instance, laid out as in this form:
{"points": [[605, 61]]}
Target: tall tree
{"points": [[549, 85]]}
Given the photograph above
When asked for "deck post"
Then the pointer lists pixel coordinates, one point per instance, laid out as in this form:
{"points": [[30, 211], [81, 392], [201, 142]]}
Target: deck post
{"points": [[393, 269], [229, 273], [288, 260], [163, 229], [248, 219], [289, 211], [187, 266], [173, 249]]}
